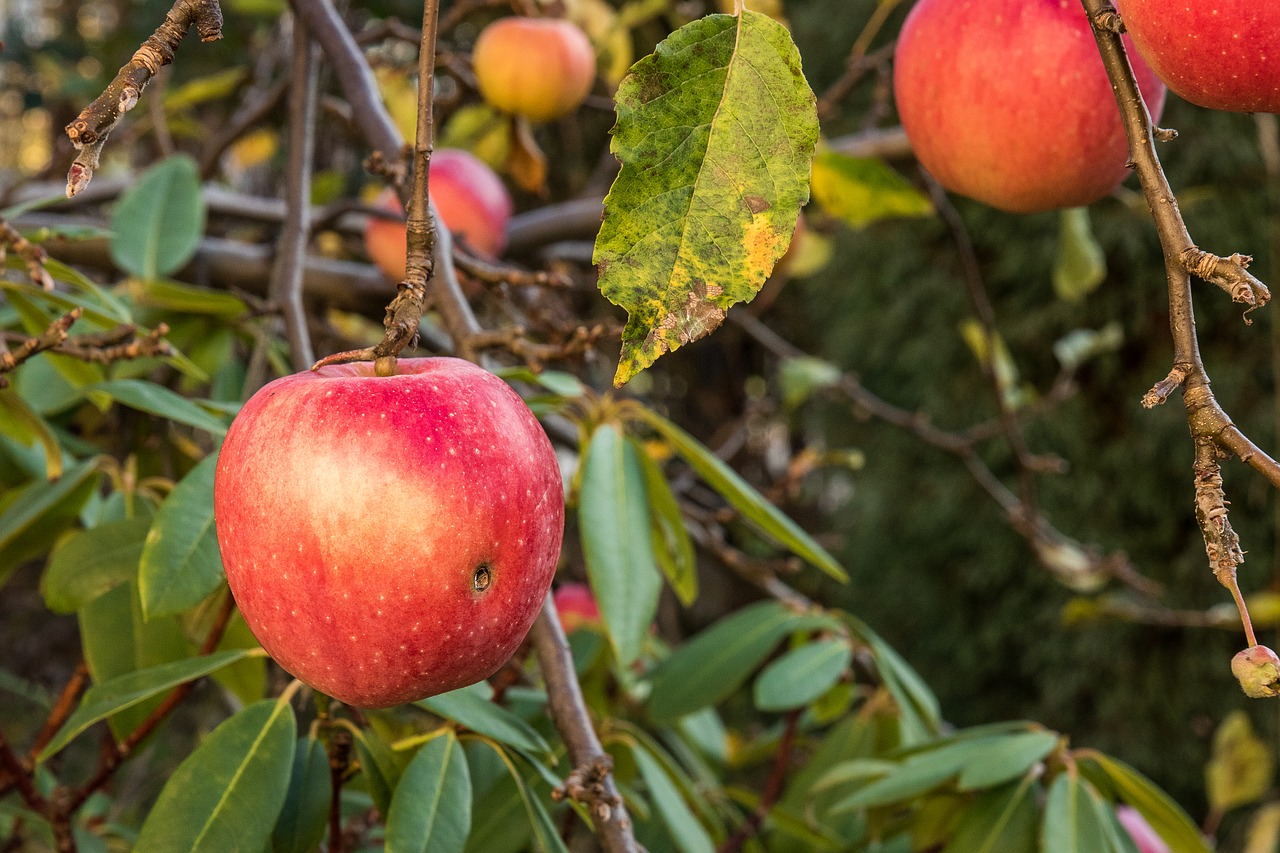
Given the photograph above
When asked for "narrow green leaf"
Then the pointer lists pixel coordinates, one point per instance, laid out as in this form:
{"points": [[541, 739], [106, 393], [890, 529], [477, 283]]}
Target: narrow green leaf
{"points": [[189, 299], [1008, 758], [545, 831], [35, 499], [90, 563], [862, 190], [802, 675], [378, 766], [181, 563], [916, 775], [22, 423], [471, 708], [1165, 816], [227, 794], [55, 304], [1071, 819], [714, 663], [689, 835], [715, 133], [1241, 769], [1080, 265], [305, 813], [431, 808], [671, 543], [125, 691], [764, 515], [157, 223], [613, 517], [1002, 820], [919, 712], [800, 377], [160, 401]]}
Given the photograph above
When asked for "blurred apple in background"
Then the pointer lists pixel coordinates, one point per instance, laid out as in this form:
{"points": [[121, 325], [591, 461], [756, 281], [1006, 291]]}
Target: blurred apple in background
{"points": [[471, 199], [539, 68], [577, 607]]}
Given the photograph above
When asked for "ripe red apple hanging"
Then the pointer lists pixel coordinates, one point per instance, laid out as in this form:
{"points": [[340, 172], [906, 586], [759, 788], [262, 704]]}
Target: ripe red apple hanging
{"points": [[1007, 102], [1221, 54], [389, 538]]}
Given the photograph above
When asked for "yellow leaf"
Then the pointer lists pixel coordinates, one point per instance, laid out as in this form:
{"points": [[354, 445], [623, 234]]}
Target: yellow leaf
{"points": [[253, 149], [1241, 768]]}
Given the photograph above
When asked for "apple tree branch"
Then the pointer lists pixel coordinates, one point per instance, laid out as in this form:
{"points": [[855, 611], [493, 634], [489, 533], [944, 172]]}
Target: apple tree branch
{"points": [[1212, 431], [88, 132]]}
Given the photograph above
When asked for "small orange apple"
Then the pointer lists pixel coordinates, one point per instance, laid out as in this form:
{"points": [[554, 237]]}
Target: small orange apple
{"points": [[539, 68], [471, 200]]}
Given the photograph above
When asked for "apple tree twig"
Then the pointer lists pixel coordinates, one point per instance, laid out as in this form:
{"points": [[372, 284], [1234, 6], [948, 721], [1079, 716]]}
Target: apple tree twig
{"points": [[1212, 431], [88, 132]]}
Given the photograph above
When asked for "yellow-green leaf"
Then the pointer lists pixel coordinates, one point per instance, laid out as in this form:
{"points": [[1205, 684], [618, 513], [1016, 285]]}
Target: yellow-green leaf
{"points": [[1242, 765], [862, 190], [1080, 266], [715, 133]]}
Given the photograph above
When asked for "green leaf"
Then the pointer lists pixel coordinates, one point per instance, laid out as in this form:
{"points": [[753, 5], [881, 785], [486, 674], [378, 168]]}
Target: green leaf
{"points": [[1007, 758], [117, 640], [1165, 816], [378, 765], [36, 318], [90, 563], [715, 133], [689, 835], [227, 794], [56, 303], [110, 305], [37, 498], [431, 808], [471, 708], [159, 220], [1242, 765], [181, 563], [160, 401], [189, 299], [802, 675], [125, 691], [1002, 820], [671, 543], [1072, 823], [911, 778], [21, 422], [613, 517], [764, 515], [862, 190], [800, 377], [1080, 265], [714, 663], [544, 830], [305, 813], [919, 715]]}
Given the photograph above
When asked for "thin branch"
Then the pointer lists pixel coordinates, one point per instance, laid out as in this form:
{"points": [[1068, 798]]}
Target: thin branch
{"points": [[975, 288], [32, 255], [89, 131], [1075, 564], [61, 711], [51, 337], [772, 788], [573, 720], [287, 272]]}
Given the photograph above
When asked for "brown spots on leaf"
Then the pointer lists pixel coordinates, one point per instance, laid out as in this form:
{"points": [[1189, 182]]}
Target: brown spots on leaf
{"points": [[756, 204]]}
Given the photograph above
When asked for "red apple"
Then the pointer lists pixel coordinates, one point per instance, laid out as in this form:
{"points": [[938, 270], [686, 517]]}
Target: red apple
{"points": [[1007, 101], [1144, 837], [540, 68], [1222, 54], [389, 538], [577, 607], [470, 198]]}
